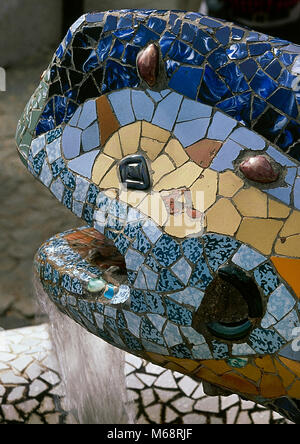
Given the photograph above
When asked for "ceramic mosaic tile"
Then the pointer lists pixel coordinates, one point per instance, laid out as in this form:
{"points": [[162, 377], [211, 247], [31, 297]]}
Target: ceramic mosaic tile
{"points": [[175, 137]]}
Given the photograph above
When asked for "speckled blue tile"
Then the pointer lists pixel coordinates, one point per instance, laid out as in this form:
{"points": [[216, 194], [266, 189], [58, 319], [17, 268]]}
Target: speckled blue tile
{"points": [[280, 302], [242, 350], [133, 322], [287, 326], [265, 341], [150, 332], [57, 188], [218, 249], [152, 231], [247, 258], [134, 260], [166, 251], [190, 296], [266, 278]]}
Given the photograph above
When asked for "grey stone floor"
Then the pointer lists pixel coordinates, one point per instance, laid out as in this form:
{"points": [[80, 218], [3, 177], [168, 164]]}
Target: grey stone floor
{"points": [[29, 216]]}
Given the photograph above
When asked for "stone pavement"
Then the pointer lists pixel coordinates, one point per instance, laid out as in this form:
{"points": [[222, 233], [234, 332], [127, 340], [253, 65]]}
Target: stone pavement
{"points": [[29, 215]]}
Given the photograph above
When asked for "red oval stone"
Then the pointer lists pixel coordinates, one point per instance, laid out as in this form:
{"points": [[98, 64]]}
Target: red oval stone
{"points": [[147, 64], [259, 169]]}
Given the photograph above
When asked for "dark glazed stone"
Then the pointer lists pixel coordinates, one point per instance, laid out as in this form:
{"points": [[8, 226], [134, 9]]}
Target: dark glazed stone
{"points": [[259, 169], [147, 63]]}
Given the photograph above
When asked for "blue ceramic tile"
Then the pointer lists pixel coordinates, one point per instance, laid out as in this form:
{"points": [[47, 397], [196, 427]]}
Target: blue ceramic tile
{"points": [[172, 335], [156, 24], [218, 249], [280, 158], [247, 258], [178, 314], [268, 321], [242, 350], [257, 49], [181, 351], [157, 321], [201, 276], [213, 89], [104, 46], [71, 140], [201, 352], [234, 78], [140, 281], [248, 138], [57, 167], [110, 23], [237, 33], [130, 55], [284, 100], [54, 150], [83, 165], [168, 282], [46, 175], [191, 132], [94, 17], [290, 176], [182, 270], [237, 51], [121, 103], [287, 326], [91, 137], [150, 333], [143, 106], [262, 84], [248, 68], [133, 322], [190, 296], [88, 114], [144, 36], [37, 145], [141, 243], [223, 35], [265, 341], [77, 209], [186, 81], [226, 156], [152, 231], [180, 52], [220, 350], [134, 260], [238, 107], [192, 336], [82, 187], [266, 278], [125, 21], [188, 32], [151, 278], [166, 42], [57, 188], [297, 194], [274, 69], [218, 58], [191, 110], [280, 302], [166, 251], [282, 193], [166, 112], [221, 127]]}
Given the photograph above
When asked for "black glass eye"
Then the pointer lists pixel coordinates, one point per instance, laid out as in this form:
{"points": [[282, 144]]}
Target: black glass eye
{"points": [[134, 173]]}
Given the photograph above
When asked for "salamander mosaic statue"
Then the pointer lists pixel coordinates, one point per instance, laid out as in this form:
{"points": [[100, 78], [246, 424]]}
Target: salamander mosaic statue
{"points": [[175, 137]]}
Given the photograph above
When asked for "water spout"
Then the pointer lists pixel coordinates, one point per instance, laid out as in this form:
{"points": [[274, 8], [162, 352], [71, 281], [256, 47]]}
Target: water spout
{"points": [[92, 370]]}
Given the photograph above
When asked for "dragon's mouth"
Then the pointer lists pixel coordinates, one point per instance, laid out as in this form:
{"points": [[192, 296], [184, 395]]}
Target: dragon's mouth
{"points": [[101, 253]]}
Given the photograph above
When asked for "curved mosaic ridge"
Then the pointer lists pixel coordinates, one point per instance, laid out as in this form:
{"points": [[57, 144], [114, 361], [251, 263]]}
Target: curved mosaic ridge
{"points": [[191, 185]]}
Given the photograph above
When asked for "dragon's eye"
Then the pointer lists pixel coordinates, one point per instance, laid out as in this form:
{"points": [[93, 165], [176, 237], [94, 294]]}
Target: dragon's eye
{"points": [[134, 173]]}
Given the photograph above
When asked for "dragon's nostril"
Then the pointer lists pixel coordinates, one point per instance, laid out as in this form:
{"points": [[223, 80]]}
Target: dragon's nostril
{"points": [[231, 302]]}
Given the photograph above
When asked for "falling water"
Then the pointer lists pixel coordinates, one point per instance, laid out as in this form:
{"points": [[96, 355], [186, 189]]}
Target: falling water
{"points": [[92, 370]]}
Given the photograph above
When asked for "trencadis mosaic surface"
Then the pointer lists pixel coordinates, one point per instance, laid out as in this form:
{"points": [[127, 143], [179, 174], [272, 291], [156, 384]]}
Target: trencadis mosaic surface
{"points": [[175, 136]]}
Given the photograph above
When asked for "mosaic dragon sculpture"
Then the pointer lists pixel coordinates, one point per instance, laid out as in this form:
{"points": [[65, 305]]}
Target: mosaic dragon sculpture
{"points": [[175, 137]]}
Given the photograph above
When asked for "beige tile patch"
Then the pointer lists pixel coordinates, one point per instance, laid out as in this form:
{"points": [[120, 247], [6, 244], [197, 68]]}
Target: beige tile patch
{"points": [[160, 167], [181, 226], [229, 184], [130, 138], [111, 180], [132, 197], [259, 233], [252, 202], [204, 190], [288, 246], [175, 150], [154, 132], [102, 165], [292, 225], [223, 218], [113, 147], [154, 207], [183, 177], [278, 210], [152, 147]]}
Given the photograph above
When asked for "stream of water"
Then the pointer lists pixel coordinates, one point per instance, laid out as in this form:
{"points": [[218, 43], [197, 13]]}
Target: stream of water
{"points": [[92, 370]]}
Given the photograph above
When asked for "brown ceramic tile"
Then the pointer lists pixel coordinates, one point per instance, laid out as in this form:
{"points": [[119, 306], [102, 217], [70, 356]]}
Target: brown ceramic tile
{"points": [[203, 152], [108, 122]]}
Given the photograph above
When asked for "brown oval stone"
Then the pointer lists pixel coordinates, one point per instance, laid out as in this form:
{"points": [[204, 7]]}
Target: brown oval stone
{"points": [[259, 169], [147, 63]]}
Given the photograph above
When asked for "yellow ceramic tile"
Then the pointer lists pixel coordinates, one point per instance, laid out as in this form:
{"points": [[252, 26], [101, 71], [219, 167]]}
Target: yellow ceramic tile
{"points": [[229, 184], [251, 372], [181, 225], [204, 190], [160, 167], [252, 202], [223, 218], [113, 147], [294, 366], [187, 364], [259, 233], [219, 367], [112, 194], [292, 225], [238, 384], [154, 207], [271, 387], [182, 177], [154, 132], [152, 147], [130, 138], [266, 364], [175, 150], [102, 165], [132, 197], [285, 374], [278, 210], [288, 246], [111, 180]]}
